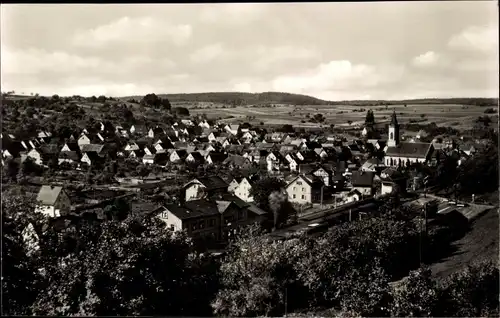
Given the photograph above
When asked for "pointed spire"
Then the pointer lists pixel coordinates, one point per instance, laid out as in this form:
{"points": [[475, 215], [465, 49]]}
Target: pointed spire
{"points": [[394, 119]]}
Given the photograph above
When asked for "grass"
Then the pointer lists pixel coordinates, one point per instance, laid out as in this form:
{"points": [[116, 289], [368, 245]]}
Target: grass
{"points": [[458, 116], [479, 244]]}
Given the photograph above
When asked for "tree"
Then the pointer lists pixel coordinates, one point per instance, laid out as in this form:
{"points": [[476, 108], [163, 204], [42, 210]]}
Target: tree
{"points": [[258, 277], [319, 118], [133, 267], [417, 296], [287, 128], [181, 111], [101, 99], [370, 118], [151, 100], [17, 266], [349, 122], [263, 188]]}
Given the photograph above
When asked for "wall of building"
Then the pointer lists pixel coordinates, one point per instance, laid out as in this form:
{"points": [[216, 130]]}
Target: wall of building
{"points": [[243, 191], [302, 192], [192, 191]]}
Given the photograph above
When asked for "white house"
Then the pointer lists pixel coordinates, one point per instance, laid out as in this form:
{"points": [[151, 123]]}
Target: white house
{"points": [[83, 140], [36, 156], [242, 191], [204, 124], [303, 190], [233, 129], [52, 201]]}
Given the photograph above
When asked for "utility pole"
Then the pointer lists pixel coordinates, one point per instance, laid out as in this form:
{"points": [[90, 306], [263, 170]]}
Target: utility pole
{"points": [[286, 300], [322, 195]]}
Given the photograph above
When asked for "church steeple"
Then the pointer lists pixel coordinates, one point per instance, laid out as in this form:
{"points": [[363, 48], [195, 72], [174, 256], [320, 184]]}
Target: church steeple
{"points": [[393, 131], [394, 119]]}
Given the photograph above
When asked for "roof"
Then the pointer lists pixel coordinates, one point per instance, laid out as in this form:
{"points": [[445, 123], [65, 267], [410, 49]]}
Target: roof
{"points": [[73, 155], [409, 149], [91, 148], [217, 156], [391, 174], [315, 182], [213, 182], [49, 149], [196, 156], [255, 209], [48, 194], [362, 179], [193, 209], [236, 160]]}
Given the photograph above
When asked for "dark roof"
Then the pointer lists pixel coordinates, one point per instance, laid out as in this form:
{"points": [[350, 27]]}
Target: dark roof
{"points": [[217, 156], [142, 207], [94, 156], [232, 198], [197, 156], [236, 160], [193, 209], [409, 149], [362, 179], [182, 153], [49, 149], [213, 182], [72, 155], [14, 148]]}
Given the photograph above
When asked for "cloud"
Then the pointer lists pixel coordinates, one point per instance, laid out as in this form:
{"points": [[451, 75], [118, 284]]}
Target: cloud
{"points": [[232, 13], [475, 38], [429, 58], [243, 87], [133, 30], [38, 61], [337, 75], [207, 53], [267, 56]]}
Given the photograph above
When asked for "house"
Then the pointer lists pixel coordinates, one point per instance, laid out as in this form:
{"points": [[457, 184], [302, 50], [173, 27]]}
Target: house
{"points": [[373, 165], [91, 158], [187, 122], [242, 191], [204, 124], [215, 158], [353, 195], [178, 155], [205, 187], [194, 158], [71, 146], [392, 179], [247, 137], [199, 218], [293, 161], [321, 153], [36, 156], [405, 153], [138, 129], [149, 150], [363, 182], [161, 158], [232, 129], [273, 161], [131, 146], [324, 173], [148, 159], [155, 132], [12, 150], [302, 190], [421, 134], [237, 161], [52, 201], [69, 157], [235, 182], [99, 149]]}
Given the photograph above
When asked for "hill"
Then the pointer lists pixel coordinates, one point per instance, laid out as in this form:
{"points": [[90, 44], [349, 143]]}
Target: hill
{"points": [[238, 98], [242, 99]]}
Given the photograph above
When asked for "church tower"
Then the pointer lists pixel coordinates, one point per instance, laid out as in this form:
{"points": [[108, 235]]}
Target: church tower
{"points": [[393, 131]]}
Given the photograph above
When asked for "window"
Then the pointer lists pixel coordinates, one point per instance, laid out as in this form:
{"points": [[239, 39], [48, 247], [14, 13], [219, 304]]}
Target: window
{"points": [[294, 196], [211, 222], [193, 227], [201, 224], [294, 188], [172, 227], [299, 182], [303, 197], [303, 189]]}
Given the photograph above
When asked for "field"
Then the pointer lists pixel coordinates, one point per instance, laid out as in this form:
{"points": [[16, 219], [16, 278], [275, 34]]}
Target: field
{"points": [[452, 115], [457, 116]]}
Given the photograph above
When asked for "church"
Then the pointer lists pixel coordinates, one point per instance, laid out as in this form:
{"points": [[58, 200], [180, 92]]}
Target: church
{"points": [[404, 153]]}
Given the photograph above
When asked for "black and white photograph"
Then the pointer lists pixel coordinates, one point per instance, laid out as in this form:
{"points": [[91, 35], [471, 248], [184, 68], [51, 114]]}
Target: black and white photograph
{"points": [[300, 159]]}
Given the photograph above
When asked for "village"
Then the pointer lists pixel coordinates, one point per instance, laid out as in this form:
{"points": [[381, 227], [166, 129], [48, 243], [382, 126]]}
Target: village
{"points": [[200, 176]]}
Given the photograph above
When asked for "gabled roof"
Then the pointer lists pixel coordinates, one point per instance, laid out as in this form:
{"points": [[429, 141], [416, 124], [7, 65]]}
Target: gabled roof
{"points": [[92, 148], [212, 182], [312, 183], [193, 209], [362, 178], [217, 156], [196, 156], [182, 153], [409, 149], [48, 194]]}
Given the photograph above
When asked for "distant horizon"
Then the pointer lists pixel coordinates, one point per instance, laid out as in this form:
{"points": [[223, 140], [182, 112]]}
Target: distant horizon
{"points": [[332, 51], [23, 94]]}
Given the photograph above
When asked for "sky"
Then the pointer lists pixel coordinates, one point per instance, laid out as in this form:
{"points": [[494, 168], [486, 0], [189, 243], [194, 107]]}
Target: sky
{"points": [[333, 51]]}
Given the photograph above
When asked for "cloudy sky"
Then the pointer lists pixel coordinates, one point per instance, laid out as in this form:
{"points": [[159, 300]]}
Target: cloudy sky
{"points": [[335, 51]]}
